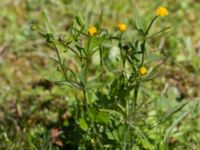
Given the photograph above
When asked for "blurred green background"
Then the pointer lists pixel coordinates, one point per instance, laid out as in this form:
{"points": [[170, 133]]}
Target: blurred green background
{"points": [[31, 105]]}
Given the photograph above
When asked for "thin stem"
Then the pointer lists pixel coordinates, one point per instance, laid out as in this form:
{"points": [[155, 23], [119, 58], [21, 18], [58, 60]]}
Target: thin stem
{"points": [[131, 110], [159, 32], [85, 99], [73, 50], [101, 61], [60, 62], [133, 107], [143, 52], [121, 49], [136, 93], [150, 25], [85, 73], [84, 84], [81, 32], [142, 62]]}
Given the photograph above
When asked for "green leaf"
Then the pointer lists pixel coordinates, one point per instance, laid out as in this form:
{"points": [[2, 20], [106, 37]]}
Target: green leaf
{"points": [[96, 41], [170, 129], [110, 136], [103, 117], [83, 124], [146, 144], [159, 33], [80, 21], [70, 83], [153, 58], [112, 112], [113, 135], [47, 22], [172, 112], [94, 85], [92, 114], [143, 139], [137, 19]]}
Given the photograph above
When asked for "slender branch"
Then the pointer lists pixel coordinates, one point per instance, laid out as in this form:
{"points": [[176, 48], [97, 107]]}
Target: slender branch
{"points": [[74, 51], [150, 25], [60, 62]]}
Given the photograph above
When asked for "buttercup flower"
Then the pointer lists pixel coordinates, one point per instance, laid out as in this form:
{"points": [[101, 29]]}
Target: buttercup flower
{"points": [[161, 11], [142, 70], [121, 27], [92, 31]]}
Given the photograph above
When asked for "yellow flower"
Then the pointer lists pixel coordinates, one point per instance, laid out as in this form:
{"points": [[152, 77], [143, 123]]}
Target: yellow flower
{"points": [[142, 70], [161, 11], [92, 31], [121, 27]]}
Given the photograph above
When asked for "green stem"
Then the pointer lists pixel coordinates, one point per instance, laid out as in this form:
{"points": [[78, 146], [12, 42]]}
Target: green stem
{"points": [[74, 51], [84, 85], [101, 61], [135, 103], [132, 109], [121, 49], [150, 25], [136, 93], [60, 62], [143, 52], [85, 67]]}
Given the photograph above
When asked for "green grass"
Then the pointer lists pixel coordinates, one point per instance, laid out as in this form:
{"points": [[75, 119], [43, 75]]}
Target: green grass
{"points": [[31, 105]]}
